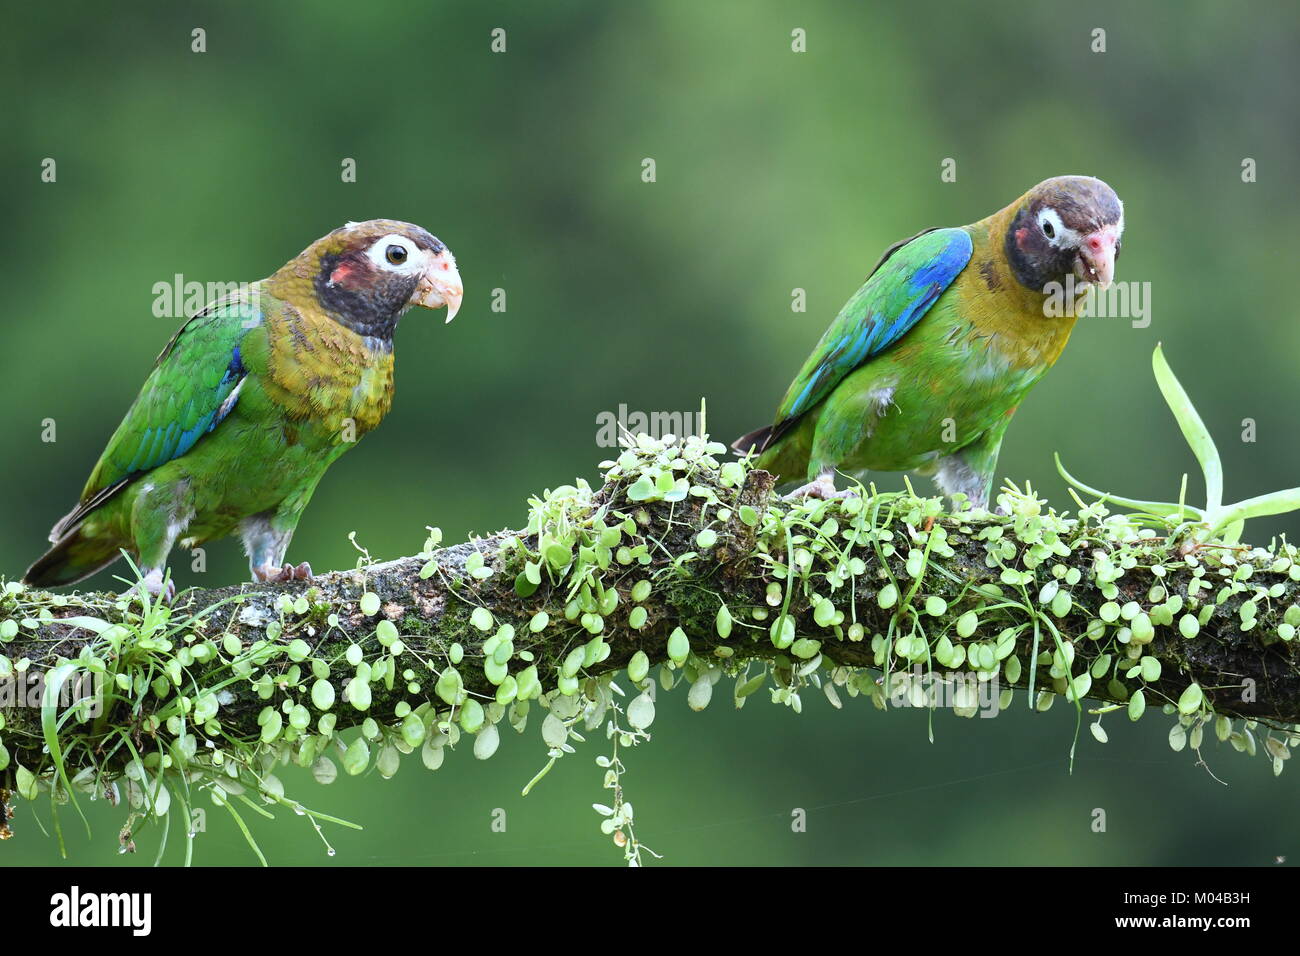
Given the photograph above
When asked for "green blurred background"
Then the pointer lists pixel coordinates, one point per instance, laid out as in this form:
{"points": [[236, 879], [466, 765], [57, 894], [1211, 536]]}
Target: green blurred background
{"points": [[775, 170]]}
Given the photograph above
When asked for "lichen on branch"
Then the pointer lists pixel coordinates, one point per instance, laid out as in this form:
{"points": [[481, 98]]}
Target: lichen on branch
{"points": [[679, 561]]}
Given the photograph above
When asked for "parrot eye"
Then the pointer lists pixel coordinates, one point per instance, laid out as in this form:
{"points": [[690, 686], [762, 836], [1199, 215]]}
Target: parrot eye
{"points": [[1048, 229], [396, 254]]}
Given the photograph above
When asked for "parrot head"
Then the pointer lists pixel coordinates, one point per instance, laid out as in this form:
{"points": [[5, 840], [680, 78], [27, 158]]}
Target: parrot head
{"points": [[365, 275], [1065, 225]]}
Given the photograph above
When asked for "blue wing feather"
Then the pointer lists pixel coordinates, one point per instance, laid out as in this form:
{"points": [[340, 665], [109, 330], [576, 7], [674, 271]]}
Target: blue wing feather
{"points": [[893, 299], [163, 423]]}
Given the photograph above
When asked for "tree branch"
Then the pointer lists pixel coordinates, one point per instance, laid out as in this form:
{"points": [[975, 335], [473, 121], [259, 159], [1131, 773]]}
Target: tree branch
{"points": [[456, 639]]}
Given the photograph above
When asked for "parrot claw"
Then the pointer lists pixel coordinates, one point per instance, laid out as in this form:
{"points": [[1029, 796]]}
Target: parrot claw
{"points": [[289, 572], [823, 488], [154, 585]]}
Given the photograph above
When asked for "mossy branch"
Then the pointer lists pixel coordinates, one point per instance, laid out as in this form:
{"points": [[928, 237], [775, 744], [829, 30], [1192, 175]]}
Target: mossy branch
{"points": [[678, 560]]}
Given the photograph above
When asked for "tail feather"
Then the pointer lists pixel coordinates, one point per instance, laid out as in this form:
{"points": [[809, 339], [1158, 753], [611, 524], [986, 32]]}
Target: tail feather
{"points": [[72, 558], [755, 441]]}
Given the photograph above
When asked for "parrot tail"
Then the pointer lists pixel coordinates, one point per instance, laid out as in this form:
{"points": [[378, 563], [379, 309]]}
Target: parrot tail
{"points": [[756, 441], [72, 558]]}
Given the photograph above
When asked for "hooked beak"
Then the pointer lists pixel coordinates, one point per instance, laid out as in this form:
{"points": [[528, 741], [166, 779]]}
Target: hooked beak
{"points": [[1095, 262], [440, 285]]}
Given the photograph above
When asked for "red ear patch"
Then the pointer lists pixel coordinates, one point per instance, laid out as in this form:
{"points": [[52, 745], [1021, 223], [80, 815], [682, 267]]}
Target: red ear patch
{"points": [[1020, 237], [340, 273]]}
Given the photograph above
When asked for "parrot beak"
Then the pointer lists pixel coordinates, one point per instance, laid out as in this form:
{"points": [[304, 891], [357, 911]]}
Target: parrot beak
{"points": [[440, 285], [1096, 258]]}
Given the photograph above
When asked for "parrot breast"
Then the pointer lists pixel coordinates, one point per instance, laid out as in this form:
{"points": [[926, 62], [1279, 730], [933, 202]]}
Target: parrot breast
{"points": [[326, 376]]}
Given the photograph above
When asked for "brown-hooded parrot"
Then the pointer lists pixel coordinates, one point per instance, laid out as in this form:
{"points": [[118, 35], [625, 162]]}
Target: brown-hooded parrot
{"points": [[925, 365], [248, 404]]}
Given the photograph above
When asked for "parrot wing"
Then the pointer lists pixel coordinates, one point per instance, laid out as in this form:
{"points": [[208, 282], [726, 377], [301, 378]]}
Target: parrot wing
{"points": [[903, 286], [193, 386]]}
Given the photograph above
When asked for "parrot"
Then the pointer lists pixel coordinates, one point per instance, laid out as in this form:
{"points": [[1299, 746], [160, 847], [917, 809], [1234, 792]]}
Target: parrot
{"points": [[248, 404], [925, 365]]}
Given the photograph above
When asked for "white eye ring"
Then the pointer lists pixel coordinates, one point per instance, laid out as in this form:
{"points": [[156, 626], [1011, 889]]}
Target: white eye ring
{"points": [[1047, 222], [411, 263], [1057, 233]]}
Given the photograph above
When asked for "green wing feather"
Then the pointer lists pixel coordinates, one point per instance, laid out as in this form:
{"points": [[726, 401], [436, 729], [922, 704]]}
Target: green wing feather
{"points": [[192, 388], [892, 300]]}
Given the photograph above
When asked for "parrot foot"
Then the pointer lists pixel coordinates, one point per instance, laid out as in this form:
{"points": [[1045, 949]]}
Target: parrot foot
{"points": [[153, 584], [823, 487], [273, 575]]}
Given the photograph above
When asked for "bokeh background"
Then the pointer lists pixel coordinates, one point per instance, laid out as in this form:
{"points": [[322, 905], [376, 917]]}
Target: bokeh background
{"points": [[775, 170]]}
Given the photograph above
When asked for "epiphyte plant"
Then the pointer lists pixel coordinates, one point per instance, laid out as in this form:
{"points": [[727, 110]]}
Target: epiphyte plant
{"points": [[1215, 522]]}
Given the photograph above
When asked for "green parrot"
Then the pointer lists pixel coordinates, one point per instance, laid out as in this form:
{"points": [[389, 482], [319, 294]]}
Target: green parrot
{"points": [[925, 365], [249, 403]]}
